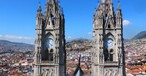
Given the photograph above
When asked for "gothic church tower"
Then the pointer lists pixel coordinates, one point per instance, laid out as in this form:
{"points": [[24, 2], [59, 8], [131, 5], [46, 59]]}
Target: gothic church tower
{"points": [[108, 58], [50, 55]]}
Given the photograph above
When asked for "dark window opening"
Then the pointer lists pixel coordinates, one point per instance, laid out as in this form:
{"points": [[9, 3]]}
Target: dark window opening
{"points": [[45, 54], [111, 55], [49, 22], [52, 19], [105, 15], [51, 55], [109, 26], [106, 55]]}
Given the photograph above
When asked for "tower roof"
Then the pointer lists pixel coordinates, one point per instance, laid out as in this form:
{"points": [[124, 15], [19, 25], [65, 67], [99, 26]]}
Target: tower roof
{"points": [[106, 1], [52, 1], [39, 11], [39, 7], [119, 13], [52, 6], [119, 7]]}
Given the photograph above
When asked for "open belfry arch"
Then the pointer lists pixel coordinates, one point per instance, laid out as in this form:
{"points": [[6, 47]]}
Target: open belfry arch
{"points": [[50, 55], [108, 49]]}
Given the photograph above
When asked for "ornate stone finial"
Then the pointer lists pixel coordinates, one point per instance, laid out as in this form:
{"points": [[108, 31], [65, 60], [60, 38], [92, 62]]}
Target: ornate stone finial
{"points": [[119, 7], [62, 12], [39, 2], [39, 6], [106, 1]]}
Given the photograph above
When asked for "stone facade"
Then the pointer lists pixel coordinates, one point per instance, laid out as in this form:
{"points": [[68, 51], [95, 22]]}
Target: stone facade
{"points": [[50, 55], [108, 50]]}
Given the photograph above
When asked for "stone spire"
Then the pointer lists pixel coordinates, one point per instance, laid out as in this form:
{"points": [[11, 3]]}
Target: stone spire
{"points": [[62, 12], [39, 11], [118, 16], [106, 1], [119, 10], [78, 71], [52, 6], [107, 7], [53, 2], [119, 7]]}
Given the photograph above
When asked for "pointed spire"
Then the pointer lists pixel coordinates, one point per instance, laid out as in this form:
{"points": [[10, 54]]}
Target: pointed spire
{"points": [[78, 71], [98, 4], [119, 7], [39, 7], [79, 63], [106, 1], [52, 1], [119, 14], [39, 11], [98, 7], [62, 12]]}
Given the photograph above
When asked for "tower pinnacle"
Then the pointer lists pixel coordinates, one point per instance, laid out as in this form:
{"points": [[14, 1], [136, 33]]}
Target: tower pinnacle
{"points": [[119, 7], [39, 7], [106, 1]]}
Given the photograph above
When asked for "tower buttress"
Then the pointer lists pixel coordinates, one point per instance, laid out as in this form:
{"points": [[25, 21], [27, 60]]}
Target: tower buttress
{"points": [[38, 39]]}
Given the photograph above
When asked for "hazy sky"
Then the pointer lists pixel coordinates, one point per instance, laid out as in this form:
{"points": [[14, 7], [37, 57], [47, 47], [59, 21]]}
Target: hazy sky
{"points": [[17, 18]]}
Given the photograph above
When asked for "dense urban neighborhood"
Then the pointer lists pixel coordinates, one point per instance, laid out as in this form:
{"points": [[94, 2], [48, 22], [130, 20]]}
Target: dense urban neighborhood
{"points": [[135, 55], [18, 63]]}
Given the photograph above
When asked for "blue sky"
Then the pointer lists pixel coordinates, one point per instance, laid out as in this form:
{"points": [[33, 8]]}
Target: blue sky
{"points": [[17, 18]]}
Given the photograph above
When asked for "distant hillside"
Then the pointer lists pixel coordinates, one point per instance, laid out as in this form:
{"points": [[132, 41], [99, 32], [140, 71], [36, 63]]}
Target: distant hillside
{"points": [[80, 40], [14, 46], [79, 44], [140, 35], [126, 40]]}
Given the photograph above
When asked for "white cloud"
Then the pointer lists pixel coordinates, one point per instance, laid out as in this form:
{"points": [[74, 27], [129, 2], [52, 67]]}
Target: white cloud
{"points": [[126, 22], [14, 37], [69, 37], [1, 35], [89, 33]]}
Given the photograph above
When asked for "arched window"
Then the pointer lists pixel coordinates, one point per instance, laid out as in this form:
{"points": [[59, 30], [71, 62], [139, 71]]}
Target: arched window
{"points": [[105, 15], [52, 18], [106, 55], [111, 55], [45, 54], [51, 55], [109, 26]]}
